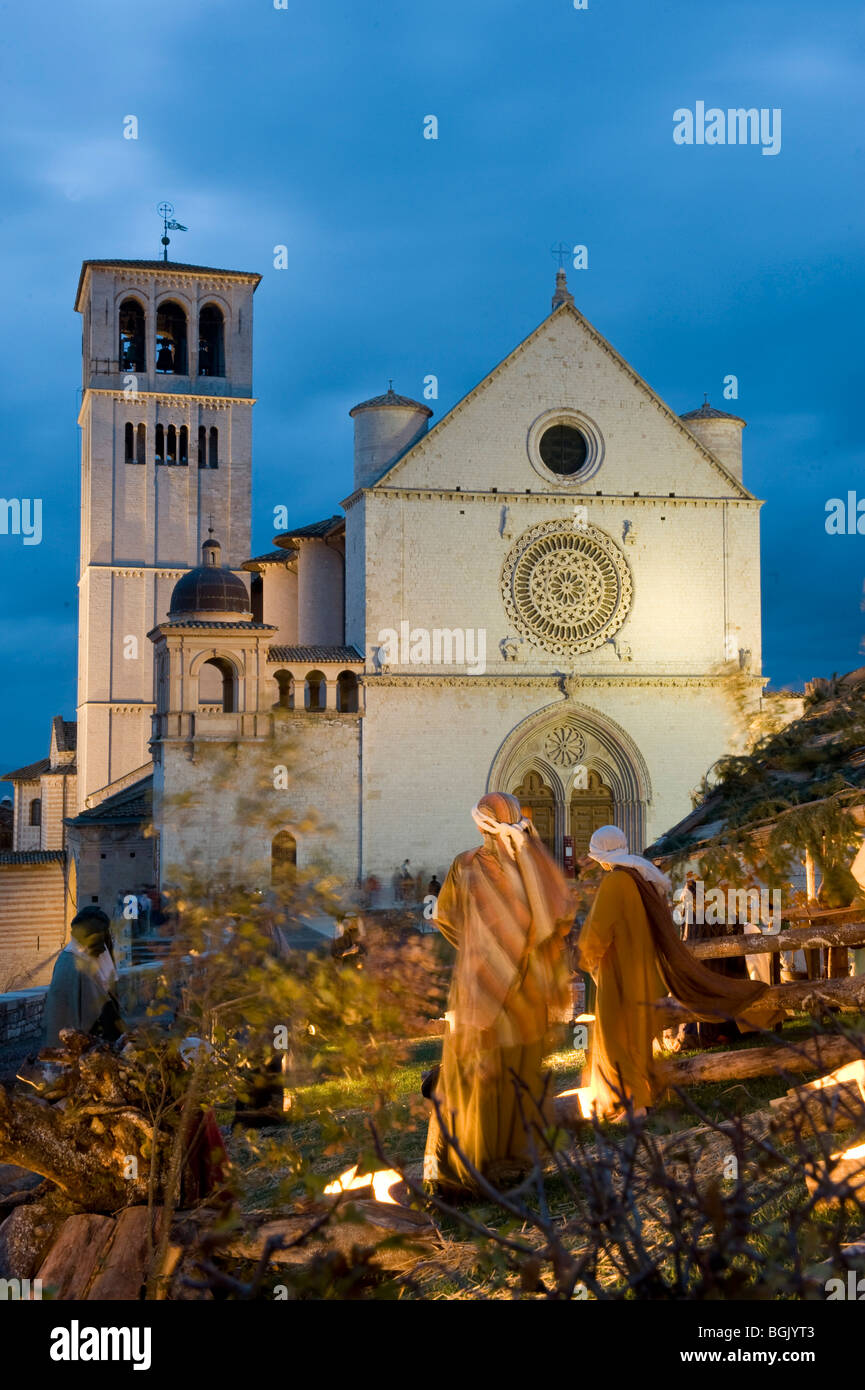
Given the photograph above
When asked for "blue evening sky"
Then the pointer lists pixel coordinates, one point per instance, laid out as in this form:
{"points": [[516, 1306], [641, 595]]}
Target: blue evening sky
{"points": [[303, 126]]}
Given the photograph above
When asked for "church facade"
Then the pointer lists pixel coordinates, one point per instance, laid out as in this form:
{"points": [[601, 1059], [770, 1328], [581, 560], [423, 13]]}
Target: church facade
{"points": [[542, 594]]}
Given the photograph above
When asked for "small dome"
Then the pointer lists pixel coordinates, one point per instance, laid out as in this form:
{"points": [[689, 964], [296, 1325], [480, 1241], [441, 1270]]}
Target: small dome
{"points": [[390, 398], [209, 588], [708, 412]]}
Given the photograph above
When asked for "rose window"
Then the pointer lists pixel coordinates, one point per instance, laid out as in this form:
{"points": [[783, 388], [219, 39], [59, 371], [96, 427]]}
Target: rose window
{"points": [[568, 591]]}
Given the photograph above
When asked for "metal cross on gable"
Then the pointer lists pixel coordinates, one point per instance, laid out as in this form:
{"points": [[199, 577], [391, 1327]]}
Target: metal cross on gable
{"points": [[561, 253]]}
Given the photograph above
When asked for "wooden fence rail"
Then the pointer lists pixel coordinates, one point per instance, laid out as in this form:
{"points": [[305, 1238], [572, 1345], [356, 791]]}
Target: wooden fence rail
{"points": [[795, 939], [813, 996]]}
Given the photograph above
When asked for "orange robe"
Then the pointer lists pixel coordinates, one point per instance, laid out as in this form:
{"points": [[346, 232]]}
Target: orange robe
{"points": [[616, 947], [508, 988]]}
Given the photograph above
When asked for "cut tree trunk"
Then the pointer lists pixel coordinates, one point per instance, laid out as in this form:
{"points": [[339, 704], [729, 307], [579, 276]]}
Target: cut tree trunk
{"points": [[85, 1158], [796, 939], [810, 996], [815, 1053]]}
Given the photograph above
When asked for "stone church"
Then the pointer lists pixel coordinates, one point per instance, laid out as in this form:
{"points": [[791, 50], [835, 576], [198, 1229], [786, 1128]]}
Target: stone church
{"points": [[536, 594]]}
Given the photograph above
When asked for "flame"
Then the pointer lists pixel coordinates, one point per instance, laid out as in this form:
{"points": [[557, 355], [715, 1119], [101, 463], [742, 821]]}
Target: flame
{"points": [[584, 1018], [584, 1094], [381, 1182], [858, 1152]]}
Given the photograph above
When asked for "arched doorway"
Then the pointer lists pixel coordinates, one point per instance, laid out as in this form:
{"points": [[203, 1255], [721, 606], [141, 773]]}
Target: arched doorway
{"points": [[591, 806], [283, 859], [562, 745], [539, 806]]}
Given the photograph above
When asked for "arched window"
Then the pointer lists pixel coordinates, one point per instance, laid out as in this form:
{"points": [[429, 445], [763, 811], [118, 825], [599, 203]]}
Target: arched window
{"points": [[129, 447], [202, 446], [130, 354], [216, 684], [211, 342], [141, 444], [285, 690], [213, 455], [256, 598], [283, 858], [315, 691], [160, 444], [36, 811], [171, 339], [183, 455], [346, 692], [171, 445]]}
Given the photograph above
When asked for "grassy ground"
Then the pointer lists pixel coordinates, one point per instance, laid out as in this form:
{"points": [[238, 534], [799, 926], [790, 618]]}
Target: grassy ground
{"points": [[326, 1104], [347, 1100]]}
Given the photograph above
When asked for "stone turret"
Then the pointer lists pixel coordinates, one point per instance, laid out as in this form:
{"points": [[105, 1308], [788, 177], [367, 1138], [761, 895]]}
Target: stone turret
{"points": [[718, 432], [384, 428]]}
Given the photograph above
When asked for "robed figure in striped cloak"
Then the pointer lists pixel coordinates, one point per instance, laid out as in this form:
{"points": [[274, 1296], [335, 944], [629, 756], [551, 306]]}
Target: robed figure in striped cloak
{"points": [[507, 909]]}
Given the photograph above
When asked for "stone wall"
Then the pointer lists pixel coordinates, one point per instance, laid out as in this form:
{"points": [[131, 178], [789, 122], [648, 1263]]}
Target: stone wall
{"points": [[21, 1011]]}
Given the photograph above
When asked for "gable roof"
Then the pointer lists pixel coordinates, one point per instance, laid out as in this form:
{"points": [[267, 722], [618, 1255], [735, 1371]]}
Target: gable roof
{"points": [[32, 856], [31, 773], [126, 807], [605, 346]]}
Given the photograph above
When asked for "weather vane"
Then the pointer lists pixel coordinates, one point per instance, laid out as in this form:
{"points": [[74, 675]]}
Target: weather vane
{"points": [[166, 212], [561, 253]]}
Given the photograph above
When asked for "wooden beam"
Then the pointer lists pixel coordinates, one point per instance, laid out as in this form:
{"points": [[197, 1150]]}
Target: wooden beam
{"points": [[823, 1052], [767, 943], [811, 996]]}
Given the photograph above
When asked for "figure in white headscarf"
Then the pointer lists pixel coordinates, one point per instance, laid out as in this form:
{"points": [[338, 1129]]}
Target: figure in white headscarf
{"points": [[630, 945]]}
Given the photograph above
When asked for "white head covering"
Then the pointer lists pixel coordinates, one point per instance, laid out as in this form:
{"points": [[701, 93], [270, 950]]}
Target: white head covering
{"points": [[609, 846], [513, 835]]}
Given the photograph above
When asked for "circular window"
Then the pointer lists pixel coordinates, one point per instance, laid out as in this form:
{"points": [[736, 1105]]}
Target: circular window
{"points": [[563, 449], [568, 591]]}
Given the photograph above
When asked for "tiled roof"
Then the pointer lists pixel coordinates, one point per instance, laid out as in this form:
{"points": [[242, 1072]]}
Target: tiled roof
{"points": [[390, 397], [128, 806], [350, 655], [32, 856], [708, 412], [202, 622], [314, 529], [273, 557], [31, 773]]}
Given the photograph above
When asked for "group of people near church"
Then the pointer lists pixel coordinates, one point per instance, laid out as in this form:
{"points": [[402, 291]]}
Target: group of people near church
{"points": [[508, 910]]}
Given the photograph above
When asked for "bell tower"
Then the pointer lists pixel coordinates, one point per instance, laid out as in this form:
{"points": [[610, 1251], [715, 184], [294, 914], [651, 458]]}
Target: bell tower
{"points": [[166, 452]]}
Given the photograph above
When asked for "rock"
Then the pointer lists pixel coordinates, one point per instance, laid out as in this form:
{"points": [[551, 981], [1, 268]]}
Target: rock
{"points": [[125, 1266], [73, 1258], [26, 1236]]}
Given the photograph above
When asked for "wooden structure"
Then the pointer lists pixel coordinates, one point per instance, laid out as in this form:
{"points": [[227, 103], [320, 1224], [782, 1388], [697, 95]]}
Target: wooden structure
{"points": [[833, 931]]}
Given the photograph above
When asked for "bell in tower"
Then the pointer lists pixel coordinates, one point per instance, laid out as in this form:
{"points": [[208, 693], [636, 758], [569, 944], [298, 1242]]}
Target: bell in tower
{"points": [[171, 338], [165, 357]]}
